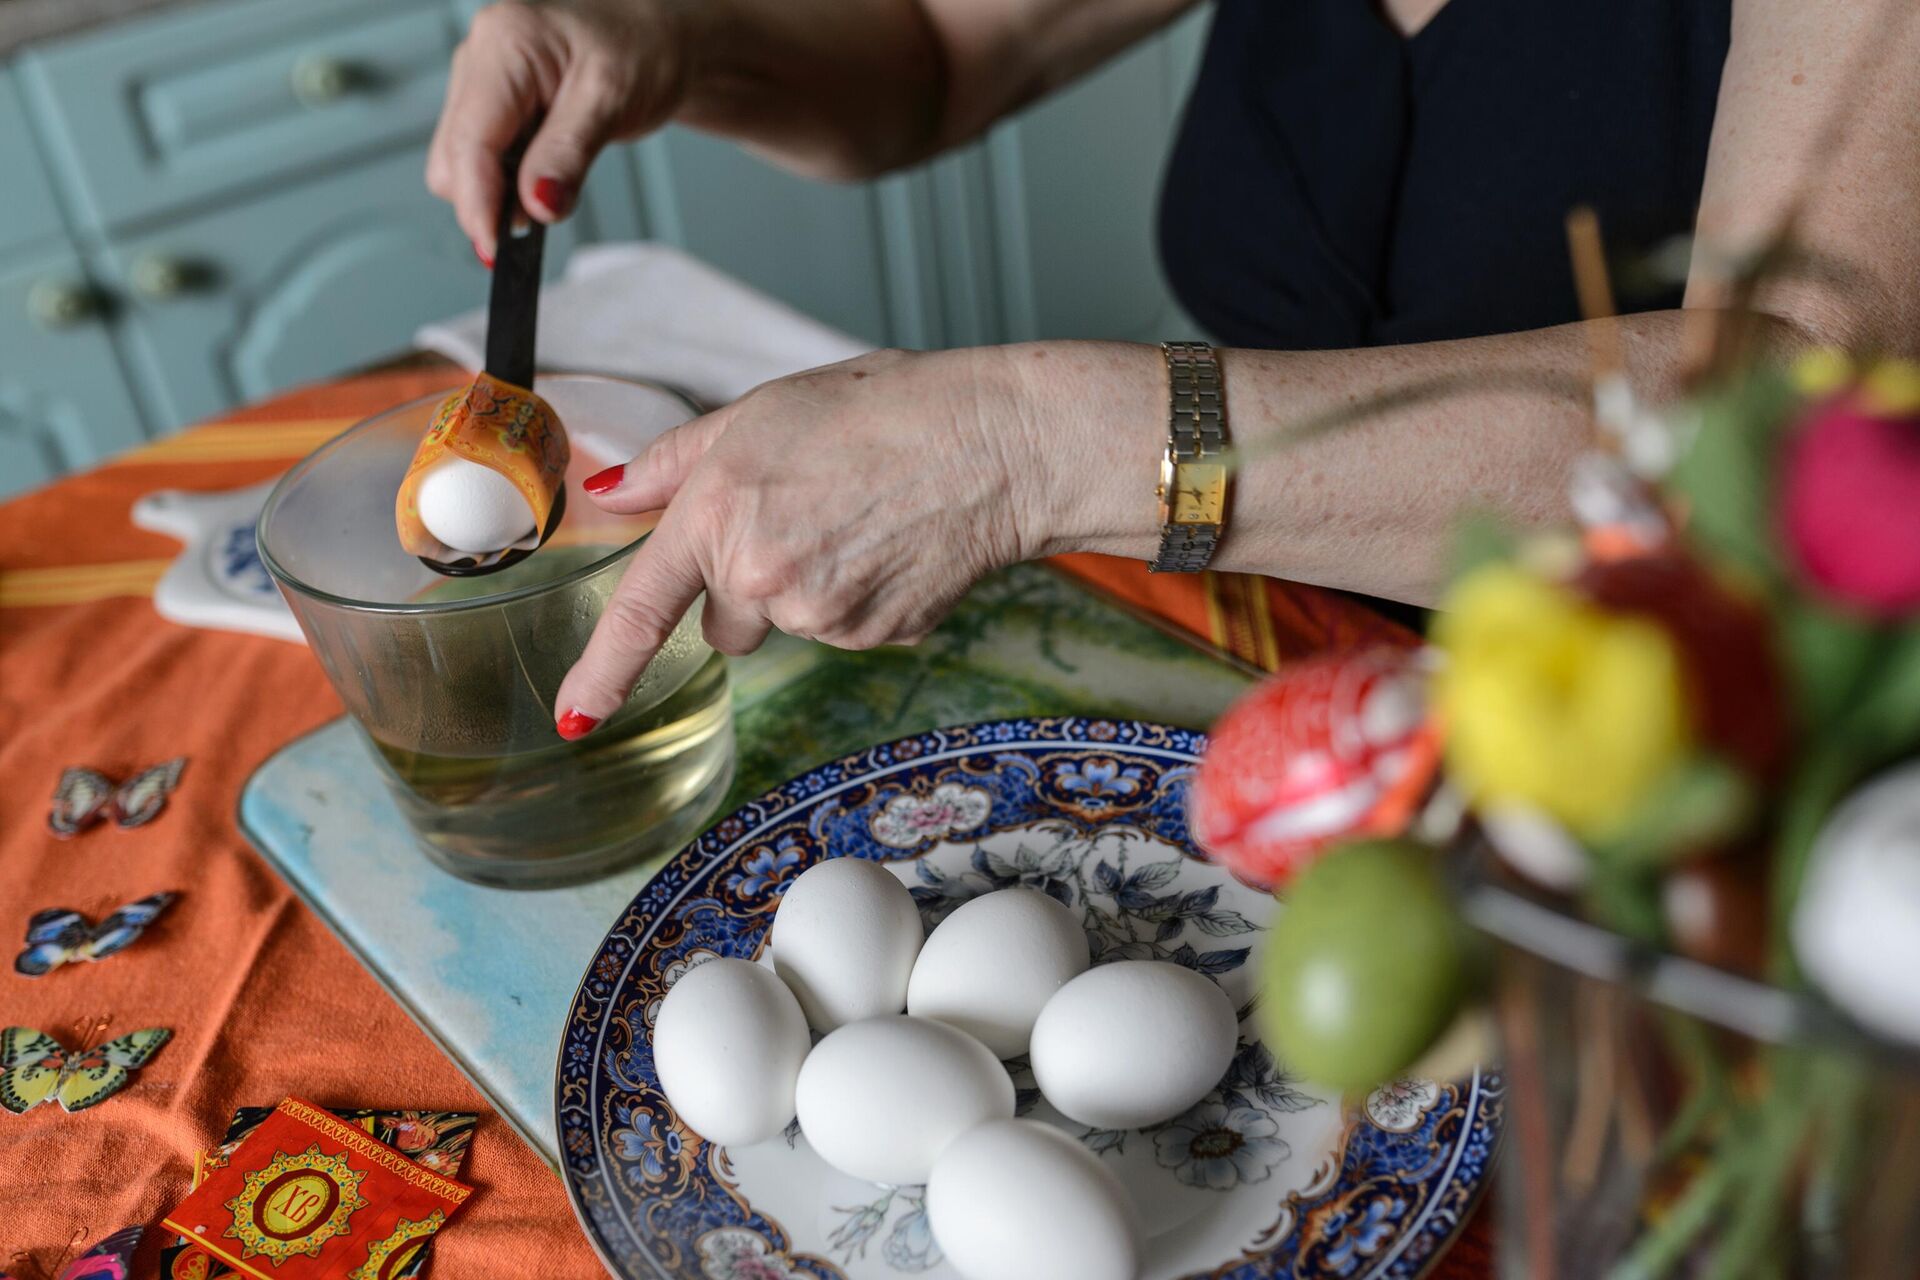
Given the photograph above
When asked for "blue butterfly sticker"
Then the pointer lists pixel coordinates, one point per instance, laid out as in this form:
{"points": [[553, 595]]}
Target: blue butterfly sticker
{"points": [[60, 936]]}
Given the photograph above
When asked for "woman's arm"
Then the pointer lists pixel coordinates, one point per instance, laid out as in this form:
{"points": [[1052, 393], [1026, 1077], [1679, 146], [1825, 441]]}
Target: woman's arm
{"points": [[831, 88], [1819, 116], [855, 504]]}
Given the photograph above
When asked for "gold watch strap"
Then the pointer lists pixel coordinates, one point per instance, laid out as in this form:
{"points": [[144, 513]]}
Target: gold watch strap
{"points": [[1193, 469]]}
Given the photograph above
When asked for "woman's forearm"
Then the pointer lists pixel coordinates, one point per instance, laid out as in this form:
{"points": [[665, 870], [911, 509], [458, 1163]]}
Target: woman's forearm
{"points": [[835, 90], [853, 88], [1485, 425]]}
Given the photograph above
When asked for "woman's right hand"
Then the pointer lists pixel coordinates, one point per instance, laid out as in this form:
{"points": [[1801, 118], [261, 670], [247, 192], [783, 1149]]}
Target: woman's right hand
{"points": [[597, 70]]}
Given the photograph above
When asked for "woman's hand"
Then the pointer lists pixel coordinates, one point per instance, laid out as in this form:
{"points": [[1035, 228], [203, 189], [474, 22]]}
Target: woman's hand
{"points": [[856, 504], [599, 70]]}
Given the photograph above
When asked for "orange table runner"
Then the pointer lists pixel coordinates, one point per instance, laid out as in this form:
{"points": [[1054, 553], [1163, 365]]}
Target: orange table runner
{"points": [[262, 1000]]}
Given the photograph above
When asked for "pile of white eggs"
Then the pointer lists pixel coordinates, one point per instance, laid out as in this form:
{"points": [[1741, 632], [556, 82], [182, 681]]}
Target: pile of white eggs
{"points": [[922, 1097]]}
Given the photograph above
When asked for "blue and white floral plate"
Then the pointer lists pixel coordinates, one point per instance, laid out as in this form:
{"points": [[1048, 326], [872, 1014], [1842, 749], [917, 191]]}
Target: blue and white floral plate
{"points": [[1265, 1177]]}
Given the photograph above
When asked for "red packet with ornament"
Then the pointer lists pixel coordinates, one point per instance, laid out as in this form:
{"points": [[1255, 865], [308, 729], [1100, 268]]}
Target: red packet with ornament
{"points": [[311, 1196]]}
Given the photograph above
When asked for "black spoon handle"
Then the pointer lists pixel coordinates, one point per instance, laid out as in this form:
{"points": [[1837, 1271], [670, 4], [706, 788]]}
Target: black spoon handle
{"points": [[513, 308]]}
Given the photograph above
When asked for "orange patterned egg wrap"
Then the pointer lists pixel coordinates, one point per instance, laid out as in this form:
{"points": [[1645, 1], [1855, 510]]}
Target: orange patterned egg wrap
{"points": [[502, 427]]}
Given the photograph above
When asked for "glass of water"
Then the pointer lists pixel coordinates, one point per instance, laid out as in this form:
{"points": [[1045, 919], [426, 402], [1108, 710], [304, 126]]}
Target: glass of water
{"points": [[452, 680]]}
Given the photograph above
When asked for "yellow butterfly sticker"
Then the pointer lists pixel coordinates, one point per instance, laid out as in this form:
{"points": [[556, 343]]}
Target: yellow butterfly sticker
{"points": [[36, 1068]]}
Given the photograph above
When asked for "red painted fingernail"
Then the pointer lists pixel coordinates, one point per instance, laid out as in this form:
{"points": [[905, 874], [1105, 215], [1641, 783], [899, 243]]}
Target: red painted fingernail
{"points": [[481, 254], [604, 481], [554, 194], [575, 725]]}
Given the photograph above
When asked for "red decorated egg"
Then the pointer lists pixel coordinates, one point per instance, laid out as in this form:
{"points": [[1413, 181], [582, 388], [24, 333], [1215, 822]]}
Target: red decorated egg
{"points": [[1328, 749]]}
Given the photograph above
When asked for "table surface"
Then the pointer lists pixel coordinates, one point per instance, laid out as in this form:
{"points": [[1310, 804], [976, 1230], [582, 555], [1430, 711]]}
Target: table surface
{"points": [[262, 999], [492, 971]]}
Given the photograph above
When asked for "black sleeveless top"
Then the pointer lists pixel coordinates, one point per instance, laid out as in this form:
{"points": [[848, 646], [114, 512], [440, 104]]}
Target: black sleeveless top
{"points": [[1336, 185]]}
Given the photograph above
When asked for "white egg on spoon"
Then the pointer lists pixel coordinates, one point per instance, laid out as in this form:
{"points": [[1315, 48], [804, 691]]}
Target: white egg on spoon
{"points": [[991, 966], [473, 508]]}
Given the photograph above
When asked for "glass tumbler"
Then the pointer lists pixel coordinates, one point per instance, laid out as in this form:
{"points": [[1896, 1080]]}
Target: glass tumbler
{"points": [[452, 680]]}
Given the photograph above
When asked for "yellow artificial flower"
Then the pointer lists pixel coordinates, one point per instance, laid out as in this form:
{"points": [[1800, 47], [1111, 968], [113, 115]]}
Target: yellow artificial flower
{"points": [[1551, 703], [1893, 388], [1822, 371]]}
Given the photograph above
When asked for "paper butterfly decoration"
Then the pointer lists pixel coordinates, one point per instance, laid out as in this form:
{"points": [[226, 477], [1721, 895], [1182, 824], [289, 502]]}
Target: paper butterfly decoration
{"points": [[86, 796], [34, 1068], [111, 1259], [59, 936]]}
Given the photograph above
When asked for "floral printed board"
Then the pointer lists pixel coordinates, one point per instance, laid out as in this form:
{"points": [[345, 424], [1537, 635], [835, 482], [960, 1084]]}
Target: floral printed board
{"points": [[1264, 1177]]}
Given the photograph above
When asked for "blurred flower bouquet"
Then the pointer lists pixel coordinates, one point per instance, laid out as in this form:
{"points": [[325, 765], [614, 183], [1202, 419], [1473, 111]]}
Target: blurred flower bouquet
{"points": [[1648, 805]]}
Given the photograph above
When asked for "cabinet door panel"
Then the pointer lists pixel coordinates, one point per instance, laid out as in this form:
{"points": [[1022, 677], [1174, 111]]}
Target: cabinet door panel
{"points": [[1075, 181], [814, 245], [27, 210], [310, 282], [63, 402], [169, 111]]}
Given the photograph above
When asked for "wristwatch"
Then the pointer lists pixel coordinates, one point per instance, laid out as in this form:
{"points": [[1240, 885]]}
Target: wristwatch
{"points": [[1193, 470]]}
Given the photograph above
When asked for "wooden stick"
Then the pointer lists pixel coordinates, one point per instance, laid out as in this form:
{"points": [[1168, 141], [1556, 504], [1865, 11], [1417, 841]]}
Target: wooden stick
{"points": [[1519, 1006], [1594, 1091]]}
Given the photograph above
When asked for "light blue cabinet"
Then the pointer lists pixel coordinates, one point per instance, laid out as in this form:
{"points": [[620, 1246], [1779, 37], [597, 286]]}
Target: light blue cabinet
{"points": [[295, 285], [1074, 183], [62, 401], [218, 101], [28, 212], [233, 190]]}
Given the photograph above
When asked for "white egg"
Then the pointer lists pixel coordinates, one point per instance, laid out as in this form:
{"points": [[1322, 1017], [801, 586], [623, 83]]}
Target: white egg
{"points": [[728, 1043], [881, 1099], [1132, 1043], [472, 508], [991, 966], [844, 939], [1020, 1200], [1856, 924]]}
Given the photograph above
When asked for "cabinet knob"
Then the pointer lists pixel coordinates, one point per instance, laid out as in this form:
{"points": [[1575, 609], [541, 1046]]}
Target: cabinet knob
{"points": [[61, 304], [157, 278], [318, 80]]}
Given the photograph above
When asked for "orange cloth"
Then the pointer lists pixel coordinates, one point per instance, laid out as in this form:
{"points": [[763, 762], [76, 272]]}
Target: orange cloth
{"points": [[1258, 623], [262, 999]]}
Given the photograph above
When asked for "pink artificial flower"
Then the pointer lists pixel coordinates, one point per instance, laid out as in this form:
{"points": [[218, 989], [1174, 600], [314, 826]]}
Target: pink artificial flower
{"points": [[1850, 502]]}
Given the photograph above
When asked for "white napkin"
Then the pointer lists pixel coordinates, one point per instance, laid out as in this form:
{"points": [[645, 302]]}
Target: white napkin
{"points": [[649, 311]]}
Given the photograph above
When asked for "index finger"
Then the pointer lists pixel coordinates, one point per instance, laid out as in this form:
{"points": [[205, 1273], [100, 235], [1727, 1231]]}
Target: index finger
{"points": [[656, 591], [485, 111]]}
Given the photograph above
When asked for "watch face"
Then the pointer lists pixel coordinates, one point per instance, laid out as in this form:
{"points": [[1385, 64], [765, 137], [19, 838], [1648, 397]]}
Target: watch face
{"points": [[1199, 493]]}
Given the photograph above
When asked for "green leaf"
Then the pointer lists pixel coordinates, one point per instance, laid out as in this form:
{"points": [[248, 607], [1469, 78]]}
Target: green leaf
{"points": [[1829, 655], [1886, 719], [1727, 475], [1703, 800], [1482, 538]]}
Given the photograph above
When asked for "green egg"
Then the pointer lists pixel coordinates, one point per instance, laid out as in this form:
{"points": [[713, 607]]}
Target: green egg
{"points": [[1365, 966]]}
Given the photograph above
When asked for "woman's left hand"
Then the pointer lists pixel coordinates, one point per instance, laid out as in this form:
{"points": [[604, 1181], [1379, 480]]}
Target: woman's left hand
{"points": [[855, 504]]}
